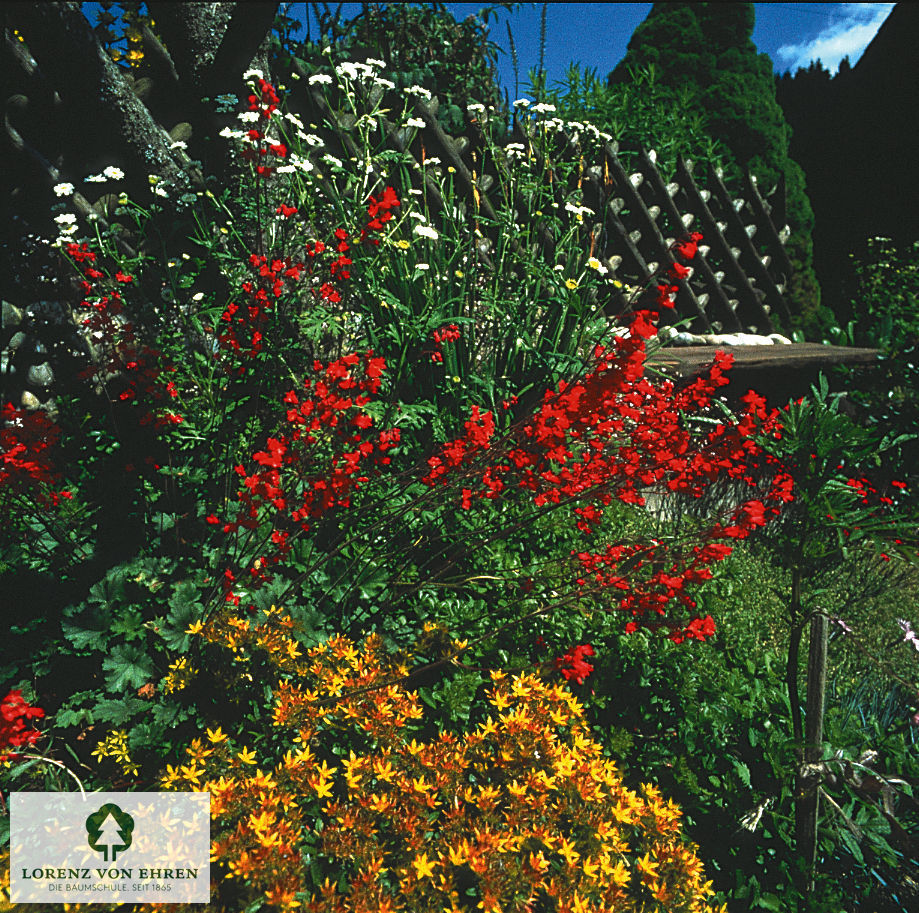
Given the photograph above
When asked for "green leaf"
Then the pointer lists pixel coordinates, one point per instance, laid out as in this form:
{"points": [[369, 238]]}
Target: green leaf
{"points": [[73, 717], [83, 637], [851, 845], [118, 712], [129, 623], [128, 667], [742, 771], [184, 608]]}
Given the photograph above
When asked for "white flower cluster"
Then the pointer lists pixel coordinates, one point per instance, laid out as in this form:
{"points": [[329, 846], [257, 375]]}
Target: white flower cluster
{"points": [[418, 91], [295, 163], [595, 264], [579, 211], [426, 231], [108, 174]]}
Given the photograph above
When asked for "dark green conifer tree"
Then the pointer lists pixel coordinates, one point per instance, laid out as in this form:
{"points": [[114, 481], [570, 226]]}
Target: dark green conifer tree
{"points": [[708, 47]]}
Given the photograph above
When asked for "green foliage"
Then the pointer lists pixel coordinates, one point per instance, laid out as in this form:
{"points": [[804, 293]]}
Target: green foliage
{"points": [[421, 45], [645, 110], [711, 727], [885, 306]]}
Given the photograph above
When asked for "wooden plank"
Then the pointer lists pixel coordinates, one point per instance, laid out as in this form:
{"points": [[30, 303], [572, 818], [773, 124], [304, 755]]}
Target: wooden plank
{"points": [[687, 361]]}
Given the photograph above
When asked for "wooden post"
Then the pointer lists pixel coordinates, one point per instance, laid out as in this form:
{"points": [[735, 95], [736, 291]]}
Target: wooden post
{"points": [[807, 798]]}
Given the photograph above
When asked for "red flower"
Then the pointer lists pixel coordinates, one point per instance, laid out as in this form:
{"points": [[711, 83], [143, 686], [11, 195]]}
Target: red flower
{"points": [[572, 664], [14, 712]]}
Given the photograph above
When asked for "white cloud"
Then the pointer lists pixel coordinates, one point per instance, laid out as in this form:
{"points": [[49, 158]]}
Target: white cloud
{"points": [[854, 25]]}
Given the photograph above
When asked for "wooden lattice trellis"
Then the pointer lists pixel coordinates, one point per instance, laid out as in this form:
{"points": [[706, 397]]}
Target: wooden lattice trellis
{"points": [[739, 281]]}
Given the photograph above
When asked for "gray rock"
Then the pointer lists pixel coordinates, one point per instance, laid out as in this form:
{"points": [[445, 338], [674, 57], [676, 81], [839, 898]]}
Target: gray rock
{"points": [[41, 375], [12, 316], [17, 340]]}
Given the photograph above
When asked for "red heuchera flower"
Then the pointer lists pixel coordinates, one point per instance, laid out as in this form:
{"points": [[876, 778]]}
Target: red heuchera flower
{"points": [[380, 212], [260, 148], [687, 248], [27, 442], [129, 370], [572, 664], [315, 465], [614, 434], [14, 714], [447, 334]]}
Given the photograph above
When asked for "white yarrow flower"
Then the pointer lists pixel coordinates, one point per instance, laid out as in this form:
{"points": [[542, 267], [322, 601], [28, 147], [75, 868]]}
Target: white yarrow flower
{"points": [[427, 232], [319, 79], [415, 122], [65, 218], [96, 179], [247, 117], [116, 174], [63, 190], [594, 263], [348, 70], [253, 74]]}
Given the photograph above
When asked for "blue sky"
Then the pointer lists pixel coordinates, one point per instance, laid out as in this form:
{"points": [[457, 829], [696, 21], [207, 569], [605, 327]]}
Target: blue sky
{"points": [[596, 34]]}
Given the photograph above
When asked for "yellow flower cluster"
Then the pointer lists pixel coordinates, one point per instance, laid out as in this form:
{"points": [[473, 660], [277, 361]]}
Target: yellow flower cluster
{"points": [[180, 674], [355, 812], [115, 747], [133, 34]]}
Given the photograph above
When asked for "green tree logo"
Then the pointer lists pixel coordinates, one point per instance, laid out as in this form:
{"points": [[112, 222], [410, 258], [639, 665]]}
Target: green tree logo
{"points": [[109, 830]]}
